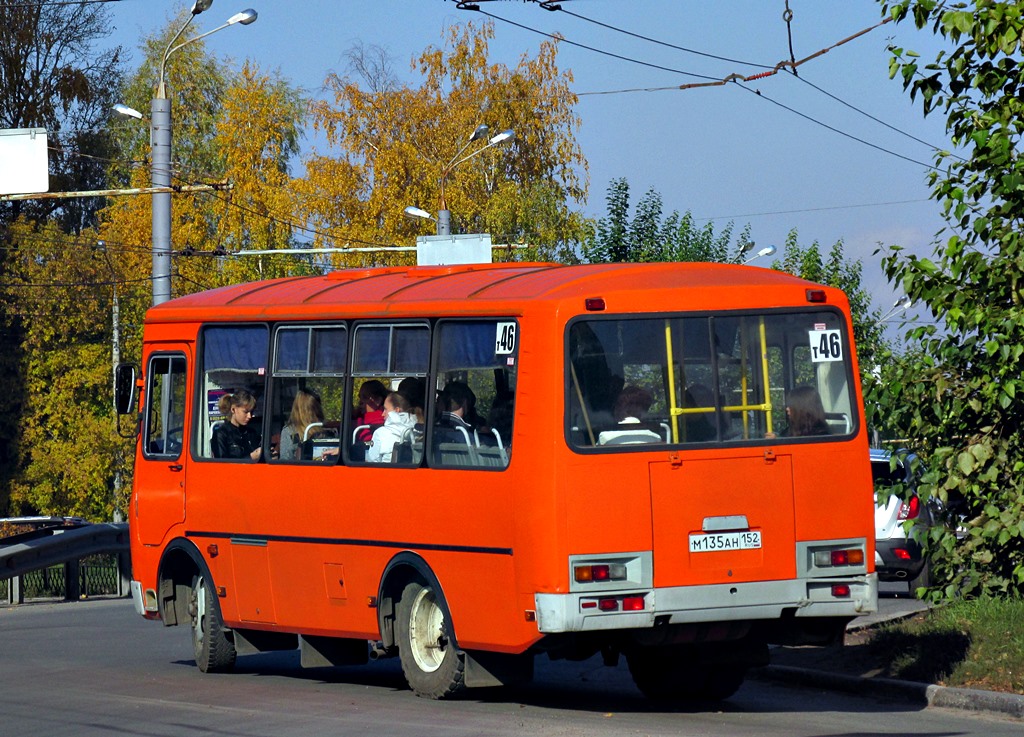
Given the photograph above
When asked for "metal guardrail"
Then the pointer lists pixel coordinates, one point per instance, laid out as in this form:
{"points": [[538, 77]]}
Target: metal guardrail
{"points": [[50, 546]]}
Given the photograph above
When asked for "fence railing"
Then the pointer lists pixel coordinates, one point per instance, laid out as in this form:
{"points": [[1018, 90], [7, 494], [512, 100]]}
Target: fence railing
{"points": [[68, 561]]}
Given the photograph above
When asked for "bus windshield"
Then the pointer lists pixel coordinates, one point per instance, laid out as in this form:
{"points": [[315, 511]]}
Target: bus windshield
{"points": [[721, 378]]}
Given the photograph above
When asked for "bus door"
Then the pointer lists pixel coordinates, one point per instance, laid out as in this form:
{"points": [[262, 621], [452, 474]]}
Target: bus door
{"points": [[159, 496], [723, 520]]}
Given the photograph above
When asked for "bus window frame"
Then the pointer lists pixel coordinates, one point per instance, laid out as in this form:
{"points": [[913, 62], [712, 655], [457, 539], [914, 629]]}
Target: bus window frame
{"points": [[199, 382], [170, 357], [348, 422], [570, 386], [433, 392], [278, 375]]}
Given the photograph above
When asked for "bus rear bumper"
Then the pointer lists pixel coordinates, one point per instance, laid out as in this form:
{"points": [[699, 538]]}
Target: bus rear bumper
{"points": [[760, 600]]}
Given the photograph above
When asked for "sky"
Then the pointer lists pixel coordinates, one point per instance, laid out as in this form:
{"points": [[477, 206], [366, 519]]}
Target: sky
{"points": [[832, 154]]}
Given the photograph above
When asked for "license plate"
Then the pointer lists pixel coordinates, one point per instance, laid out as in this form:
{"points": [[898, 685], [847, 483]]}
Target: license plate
{"points": [[713, 542]]}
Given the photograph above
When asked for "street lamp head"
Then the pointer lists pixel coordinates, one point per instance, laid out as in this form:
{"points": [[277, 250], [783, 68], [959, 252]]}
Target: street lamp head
{"points": [[480, 132], [415, 212], [767, 251], [200, 5], [245, 17], [128, 112], [502, 137]]}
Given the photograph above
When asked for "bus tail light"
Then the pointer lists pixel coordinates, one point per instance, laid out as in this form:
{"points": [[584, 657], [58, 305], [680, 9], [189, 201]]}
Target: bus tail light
{"points": [[841, 557], [600, 572], [841, 590], [815, 295], [594, 304], [608, 605]]}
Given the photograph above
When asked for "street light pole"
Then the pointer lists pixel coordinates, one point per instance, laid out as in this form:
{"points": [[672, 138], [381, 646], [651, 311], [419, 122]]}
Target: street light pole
{"points": [[160, 153], [444, 215]]}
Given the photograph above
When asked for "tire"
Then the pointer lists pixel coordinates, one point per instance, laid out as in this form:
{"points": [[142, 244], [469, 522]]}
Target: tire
{"points": [[213, 648], [670, 676], [922, 580], [431, 662]]}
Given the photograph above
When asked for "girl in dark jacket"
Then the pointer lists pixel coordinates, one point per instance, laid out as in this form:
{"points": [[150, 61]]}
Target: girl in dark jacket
{"points": [[234, 438]]}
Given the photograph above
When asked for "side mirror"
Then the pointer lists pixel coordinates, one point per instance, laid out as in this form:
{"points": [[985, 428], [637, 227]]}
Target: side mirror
{"points": [[124, 388]]}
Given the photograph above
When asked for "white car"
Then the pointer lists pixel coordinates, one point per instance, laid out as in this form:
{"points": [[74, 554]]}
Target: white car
{"points": [[898, 555]]}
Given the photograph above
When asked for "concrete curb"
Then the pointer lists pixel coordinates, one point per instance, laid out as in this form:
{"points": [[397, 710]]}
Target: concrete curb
{"points": [[966, 699]]}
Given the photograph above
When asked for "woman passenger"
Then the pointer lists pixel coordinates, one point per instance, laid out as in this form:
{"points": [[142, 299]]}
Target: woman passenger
{"points": [[398, 424], [234, 438], [805, 413], [306, 410]]}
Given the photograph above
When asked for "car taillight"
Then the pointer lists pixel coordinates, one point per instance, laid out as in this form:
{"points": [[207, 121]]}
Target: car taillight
{"points": [[909, 509]]}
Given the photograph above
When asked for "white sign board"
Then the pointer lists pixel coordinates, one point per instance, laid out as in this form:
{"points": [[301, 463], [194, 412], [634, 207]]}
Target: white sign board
{"points": [[24, 166], [445, 250]]}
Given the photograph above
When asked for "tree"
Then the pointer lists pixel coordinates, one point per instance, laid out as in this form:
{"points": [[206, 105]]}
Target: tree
{"points": [[243, 129], [392, 143], [835, 270], [52, 77], [961, 396], [651, 237]]}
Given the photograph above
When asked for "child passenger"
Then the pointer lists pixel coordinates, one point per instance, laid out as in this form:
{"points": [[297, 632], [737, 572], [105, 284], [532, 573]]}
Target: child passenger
{"points": [[398, 423]]}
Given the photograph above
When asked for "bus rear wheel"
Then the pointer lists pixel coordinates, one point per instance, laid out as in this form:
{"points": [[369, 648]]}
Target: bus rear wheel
{"points": [[214, 651], [430, 659], [669, 675]]}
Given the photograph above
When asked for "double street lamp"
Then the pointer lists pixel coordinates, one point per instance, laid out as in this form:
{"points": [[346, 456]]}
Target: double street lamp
{"points": [[444, 216], [160, 150]]}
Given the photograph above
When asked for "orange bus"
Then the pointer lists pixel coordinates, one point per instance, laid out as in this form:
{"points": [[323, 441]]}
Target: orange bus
{"points": [[662, 462]]}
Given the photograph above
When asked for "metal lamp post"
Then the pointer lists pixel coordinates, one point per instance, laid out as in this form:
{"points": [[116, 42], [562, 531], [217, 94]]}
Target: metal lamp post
{"points": [[444, 215], [160, 152]]}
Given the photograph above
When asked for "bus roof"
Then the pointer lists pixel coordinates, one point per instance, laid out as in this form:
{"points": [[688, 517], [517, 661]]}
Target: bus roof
{"points": [[496, 288]]}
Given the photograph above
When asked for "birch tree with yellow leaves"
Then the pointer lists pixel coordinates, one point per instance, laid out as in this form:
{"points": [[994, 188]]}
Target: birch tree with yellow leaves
{"points": [[390, 145]]}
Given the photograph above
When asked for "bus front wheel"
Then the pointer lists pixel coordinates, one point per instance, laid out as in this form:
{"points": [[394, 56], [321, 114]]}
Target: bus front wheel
{"points": [[430, 659], [214, 651]]}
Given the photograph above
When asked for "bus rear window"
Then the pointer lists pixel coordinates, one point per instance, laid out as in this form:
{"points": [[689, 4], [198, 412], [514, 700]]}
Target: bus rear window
{"points": [[711, 379]]}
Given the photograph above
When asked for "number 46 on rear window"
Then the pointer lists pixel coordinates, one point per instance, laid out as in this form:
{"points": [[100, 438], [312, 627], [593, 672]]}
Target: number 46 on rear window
{"points": [[826, 345]]}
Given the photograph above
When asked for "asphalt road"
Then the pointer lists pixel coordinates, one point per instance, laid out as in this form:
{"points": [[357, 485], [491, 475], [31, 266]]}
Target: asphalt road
{"points": [[95, 668]]}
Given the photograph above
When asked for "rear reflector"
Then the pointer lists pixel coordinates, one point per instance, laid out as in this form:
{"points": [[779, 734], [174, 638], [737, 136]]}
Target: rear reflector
{"points": [[608, 605], [633, 604], [901, 553], [841, 590]]}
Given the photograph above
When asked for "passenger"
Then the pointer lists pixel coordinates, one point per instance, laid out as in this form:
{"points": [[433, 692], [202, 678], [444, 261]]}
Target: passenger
{"points": [[500, 417], [306, 410], [414, 389], [371, 407], [233, 438], [805, 413], [630, 408], [398, 424], [699, 427], [458, 407]]}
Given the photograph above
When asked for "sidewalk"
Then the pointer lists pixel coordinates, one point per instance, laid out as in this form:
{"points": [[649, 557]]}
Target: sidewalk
{"points": [[832, 668]]}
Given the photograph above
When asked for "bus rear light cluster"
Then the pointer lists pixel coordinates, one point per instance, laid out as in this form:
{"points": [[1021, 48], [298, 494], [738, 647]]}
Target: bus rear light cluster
{"points": [[833, 558], [599, 572], [615, 604]]}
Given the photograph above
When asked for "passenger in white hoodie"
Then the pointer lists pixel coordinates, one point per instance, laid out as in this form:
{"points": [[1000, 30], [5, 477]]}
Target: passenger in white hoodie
{"points": [[398, 424]]}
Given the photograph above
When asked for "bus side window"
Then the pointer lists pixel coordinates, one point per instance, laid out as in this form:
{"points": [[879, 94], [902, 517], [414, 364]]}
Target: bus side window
{"points": [[165, 407], [308, 393], [232, 358], [386, 358], [475, 406]]}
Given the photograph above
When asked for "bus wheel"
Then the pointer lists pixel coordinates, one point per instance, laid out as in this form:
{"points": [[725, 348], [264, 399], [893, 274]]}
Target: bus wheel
{"points": [[213, 649], [430, 658], [669, 675]]}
